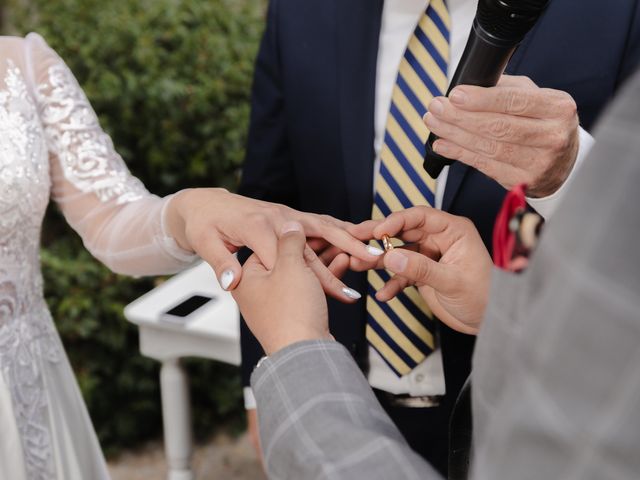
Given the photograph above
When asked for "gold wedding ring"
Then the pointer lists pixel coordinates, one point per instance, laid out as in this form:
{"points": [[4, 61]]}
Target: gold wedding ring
{"points": [[386, 243]]}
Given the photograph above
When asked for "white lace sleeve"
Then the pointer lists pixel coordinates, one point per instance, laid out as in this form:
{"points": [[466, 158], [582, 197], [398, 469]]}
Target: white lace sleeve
{"points": [[119, 221]]}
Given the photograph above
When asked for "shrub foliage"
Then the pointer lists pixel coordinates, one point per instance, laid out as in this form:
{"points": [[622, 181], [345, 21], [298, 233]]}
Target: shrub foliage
{"points": [[170, 81]]}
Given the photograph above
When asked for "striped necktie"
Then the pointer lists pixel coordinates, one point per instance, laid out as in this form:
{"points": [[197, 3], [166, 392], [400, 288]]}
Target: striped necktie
{"points": [[403, 330]]}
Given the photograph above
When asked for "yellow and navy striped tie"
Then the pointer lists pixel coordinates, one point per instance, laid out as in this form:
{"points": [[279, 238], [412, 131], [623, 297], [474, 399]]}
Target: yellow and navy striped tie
{"points": [[403, 330]]}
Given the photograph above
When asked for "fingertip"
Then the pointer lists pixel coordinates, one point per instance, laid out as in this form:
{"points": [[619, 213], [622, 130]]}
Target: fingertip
{"points": [[441, 147], [381, 296], [374, 251], [458, 96], [396, 261], [229, 279], [351, 294]]}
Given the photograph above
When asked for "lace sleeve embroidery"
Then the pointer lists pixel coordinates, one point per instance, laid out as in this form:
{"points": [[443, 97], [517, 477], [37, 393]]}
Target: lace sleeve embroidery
{"points": [[87, 156]]}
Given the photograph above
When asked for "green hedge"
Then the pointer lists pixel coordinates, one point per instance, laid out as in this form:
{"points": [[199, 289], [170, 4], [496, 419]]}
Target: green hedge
{"points": [[170, 80]]}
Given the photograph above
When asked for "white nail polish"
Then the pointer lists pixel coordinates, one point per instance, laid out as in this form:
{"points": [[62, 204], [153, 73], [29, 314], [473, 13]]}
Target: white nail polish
{"points": [[375, 251], [226, 279], [351, 293]]}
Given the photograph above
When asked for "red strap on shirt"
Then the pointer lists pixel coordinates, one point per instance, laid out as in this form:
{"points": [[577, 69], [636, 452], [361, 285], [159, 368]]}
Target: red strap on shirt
{"points": [[504, 238]]}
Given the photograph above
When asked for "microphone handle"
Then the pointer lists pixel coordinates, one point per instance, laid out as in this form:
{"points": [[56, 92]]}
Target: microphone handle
{"points": [[483, 62]]}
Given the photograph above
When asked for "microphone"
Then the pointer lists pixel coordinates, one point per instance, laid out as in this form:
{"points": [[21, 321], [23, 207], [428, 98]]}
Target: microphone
{"points": [[498, 29]]}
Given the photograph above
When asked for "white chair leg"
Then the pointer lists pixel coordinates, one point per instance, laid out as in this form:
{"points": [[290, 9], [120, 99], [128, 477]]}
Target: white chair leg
{"points": [[176, 416]]}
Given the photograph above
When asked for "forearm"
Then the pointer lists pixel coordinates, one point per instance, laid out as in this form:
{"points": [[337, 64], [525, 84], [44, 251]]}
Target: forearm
{"points": [[133, 239]]}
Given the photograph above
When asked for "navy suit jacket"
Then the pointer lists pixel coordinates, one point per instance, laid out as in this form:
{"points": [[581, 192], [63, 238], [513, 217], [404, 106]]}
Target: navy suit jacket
{"points": [[312, 124]]}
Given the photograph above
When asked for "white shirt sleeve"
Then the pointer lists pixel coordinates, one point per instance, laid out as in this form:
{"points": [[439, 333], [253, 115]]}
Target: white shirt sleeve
{"points": [[249, 399], [547, 205], [120, 222]]}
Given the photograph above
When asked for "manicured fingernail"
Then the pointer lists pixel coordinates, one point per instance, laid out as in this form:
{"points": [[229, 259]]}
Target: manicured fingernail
{"points": [[351, 293], [291, 227], [226, 279], [436, 107], [396, 261], [375, 251], [441, 148], [458, 97]]}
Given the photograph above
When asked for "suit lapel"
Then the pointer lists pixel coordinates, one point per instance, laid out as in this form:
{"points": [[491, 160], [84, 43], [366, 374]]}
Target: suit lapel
{"points": [[358, 31]]}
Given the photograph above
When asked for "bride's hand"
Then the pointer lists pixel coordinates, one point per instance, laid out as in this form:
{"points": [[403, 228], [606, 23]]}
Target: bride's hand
{"points": [[284, 304], [215, 224]]}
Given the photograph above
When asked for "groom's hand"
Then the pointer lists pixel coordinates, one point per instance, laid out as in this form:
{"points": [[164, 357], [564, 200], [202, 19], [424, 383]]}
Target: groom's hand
{"points": [[283, 304], [444, 258]]}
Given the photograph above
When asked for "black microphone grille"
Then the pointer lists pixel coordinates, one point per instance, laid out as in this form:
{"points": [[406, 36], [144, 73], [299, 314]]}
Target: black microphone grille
{"points": [[508, 21]]}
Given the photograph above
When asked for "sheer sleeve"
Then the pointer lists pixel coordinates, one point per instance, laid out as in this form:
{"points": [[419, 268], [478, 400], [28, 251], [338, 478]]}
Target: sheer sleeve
{"points": [[120, 222]]}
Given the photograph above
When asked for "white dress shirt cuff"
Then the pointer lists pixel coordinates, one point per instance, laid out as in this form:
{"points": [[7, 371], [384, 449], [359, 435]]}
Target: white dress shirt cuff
{"points": [[249, 399], [427, 379], [547, 205]]}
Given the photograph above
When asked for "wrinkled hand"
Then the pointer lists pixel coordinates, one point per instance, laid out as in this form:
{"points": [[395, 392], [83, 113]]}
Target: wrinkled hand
{"points": [[444, 258], [514, 133], [215, 224], [283, 304]]}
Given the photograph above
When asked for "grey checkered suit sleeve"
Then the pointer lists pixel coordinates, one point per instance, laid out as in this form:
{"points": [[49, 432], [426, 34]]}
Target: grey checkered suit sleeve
{"points": [[319, 419], [557, 363]]}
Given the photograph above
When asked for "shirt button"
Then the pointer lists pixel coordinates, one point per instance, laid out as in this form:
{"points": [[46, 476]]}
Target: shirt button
{"points": [[419, 378]]}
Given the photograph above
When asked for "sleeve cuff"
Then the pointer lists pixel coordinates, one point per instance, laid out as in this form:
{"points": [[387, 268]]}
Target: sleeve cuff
{"points": [[547, 206], [300, 360], [249, 399], [168, 243]]}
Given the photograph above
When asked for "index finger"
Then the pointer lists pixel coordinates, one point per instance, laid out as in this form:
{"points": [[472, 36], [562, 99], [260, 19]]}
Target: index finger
{"points": [[510, 100], [334, 231], [425, 219]]}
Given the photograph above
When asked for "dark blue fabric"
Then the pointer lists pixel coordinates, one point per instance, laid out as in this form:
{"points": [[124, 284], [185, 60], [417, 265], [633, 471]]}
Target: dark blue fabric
{"points": [[312, 123]]}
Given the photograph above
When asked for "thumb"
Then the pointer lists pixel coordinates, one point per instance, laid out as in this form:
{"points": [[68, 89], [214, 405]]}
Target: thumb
{"points": [[291, 244], [417, 268], [223, 262]]}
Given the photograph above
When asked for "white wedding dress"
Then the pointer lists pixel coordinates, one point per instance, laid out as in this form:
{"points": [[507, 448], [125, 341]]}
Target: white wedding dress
{"points": [[51, 145]]}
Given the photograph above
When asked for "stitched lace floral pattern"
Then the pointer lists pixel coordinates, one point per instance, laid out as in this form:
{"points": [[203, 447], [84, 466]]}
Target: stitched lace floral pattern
{"points": [[86, 153], [59, 124], [27, 336]]}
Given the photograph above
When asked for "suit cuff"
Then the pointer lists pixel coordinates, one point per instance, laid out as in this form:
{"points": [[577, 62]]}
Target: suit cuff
{"points": [[302, 373], [546, 206], [249, 398]]}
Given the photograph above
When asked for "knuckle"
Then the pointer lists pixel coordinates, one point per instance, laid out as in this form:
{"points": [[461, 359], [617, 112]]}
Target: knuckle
{"points": [[508, 150], [478, 162], [525, 81], [466, 224], [559, 142], [452, 114], [516, 102], [422, 271], [259, 219], [490, 148], [567, 105], [499, 128], [326, 221]]}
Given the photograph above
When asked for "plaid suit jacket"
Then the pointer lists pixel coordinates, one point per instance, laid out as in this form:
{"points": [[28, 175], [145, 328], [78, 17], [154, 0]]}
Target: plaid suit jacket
{"points": [[556, 368]]}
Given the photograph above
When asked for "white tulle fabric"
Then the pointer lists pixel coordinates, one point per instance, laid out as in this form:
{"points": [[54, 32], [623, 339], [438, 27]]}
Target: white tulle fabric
{"points": [[52, 146]]}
